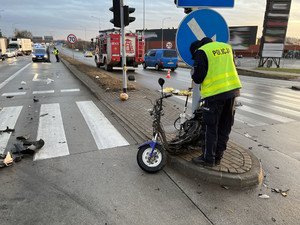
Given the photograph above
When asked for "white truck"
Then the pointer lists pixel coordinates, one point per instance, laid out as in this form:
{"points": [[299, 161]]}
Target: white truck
{"points": [[2, 48], [23, 45]]}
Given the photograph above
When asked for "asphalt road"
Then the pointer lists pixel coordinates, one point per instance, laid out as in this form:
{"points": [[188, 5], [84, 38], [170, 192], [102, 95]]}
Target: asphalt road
{"points": [[96, 184]]}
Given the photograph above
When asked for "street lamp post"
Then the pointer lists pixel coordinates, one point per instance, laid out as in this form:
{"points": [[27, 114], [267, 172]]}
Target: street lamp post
{"points": [[162, 31], [97, 19], [84, 37]]}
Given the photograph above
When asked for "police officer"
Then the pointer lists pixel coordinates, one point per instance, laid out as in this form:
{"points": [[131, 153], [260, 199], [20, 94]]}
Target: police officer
{"points": [[56, 54], [215, 71]]}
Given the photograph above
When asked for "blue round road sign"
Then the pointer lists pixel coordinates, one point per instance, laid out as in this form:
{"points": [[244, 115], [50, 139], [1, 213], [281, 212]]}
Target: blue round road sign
{"points": [[197, 25]]}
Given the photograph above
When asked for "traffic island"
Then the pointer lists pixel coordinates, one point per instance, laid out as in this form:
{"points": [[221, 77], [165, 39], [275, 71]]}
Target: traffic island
{"points": [[238, 168]]}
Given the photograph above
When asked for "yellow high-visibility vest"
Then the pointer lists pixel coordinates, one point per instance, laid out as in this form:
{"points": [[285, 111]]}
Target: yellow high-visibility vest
{"points": [[56, 52], [221, 75]]}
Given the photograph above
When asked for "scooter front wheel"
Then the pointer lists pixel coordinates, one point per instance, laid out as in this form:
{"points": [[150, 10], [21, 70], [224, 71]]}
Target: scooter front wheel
{"points": [[154, 163]]}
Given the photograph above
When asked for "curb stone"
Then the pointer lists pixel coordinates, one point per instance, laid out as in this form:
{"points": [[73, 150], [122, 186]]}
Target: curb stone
{"points": [[252, 176]]}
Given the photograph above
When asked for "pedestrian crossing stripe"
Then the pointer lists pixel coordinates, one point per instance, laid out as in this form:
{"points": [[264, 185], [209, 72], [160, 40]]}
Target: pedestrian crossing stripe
{"points": [[8, 118], [104, 133], [289, 108], [52, 131]]}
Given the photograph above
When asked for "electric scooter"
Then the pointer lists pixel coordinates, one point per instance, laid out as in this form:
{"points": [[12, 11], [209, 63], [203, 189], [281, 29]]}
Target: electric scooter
{"points": [[151, 156]]}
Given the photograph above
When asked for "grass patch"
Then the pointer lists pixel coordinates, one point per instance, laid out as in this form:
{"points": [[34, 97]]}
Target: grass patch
{"points": [[106, 81], [266, 75], [284, 70]]}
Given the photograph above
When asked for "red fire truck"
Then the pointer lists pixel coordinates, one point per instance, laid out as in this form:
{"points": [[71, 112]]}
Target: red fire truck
{"points": [[108, 49]]}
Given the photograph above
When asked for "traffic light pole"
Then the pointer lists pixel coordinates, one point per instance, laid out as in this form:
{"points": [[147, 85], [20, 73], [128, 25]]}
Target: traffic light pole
{"points": [[123, 47]]}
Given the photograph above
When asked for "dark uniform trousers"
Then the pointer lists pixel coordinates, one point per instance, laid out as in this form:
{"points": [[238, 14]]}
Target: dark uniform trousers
{"points": [[218, 117]]}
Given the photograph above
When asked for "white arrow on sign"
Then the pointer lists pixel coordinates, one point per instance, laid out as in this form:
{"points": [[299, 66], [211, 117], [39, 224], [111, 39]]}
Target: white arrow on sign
{"points": [[197, 31]]}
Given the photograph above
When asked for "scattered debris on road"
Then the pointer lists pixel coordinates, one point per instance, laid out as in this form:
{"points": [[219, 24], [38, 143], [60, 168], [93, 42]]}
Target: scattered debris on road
{"points": [[49, 80], [24, 137], [8, 130], [297, 88], [263, 196]]}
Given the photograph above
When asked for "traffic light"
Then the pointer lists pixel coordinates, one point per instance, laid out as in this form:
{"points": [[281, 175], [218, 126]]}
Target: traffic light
{"points": [[128, 19], [186, 10], [117, 13]]}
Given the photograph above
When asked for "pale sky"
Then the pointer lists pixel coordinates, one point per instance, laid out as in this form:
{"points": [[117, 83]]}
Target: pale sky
{"points": [[84, 17]]}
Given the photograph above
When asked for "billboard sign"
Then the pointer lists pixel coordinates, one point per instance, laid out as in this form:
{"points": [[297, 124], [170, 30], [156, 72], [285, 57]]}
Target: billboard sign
{"points": [[275, 27], [242, 37]]}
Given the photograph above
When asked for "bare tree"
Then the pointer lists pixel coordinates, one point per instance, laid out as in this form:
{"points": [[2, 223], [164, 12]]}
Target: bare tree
{"points": [[23, 34]]}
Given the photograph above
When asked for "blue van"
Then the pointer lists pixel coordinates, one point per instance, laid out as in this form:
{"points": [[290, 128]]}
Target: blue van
{"points": [[39, 54], [161, 59]]}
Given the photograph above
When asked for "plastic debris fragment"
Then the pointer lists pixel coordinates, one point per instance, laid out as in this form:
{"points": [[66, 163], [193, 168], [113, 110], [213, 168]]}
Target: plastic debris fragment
{"points": [[8, 159], [264, 196]]}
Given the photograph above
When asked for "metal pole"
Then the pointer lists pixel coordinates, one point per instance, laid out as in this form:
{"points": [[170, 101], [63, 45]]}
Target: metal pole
{"points": [[123, 47], [144, 16], [85, 39], [73, 50], [162, 31]]}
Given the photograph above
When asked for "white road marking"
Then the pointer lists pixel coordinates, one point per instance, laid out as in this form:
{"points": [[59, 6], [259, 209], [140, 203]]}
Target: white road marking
{"points": [[270, 106], [43, 92], [266, 114], [13, 76], [104, 133], [283, 103], [70, 90], [8, 118], [14, 93], [247, 120], [51, 130], [293, 95], [282, 97], [36, 79]]}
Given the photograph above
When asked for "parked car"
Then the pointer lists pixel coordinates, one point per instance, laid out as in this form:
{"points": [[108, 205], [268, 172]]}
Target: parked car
{"points": [[39, 54], [161, 59], [10, 52]]}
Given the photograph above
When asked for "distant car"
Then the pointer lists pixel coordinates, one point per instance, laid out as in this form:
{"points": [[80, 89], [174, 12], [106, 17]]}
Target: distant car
{"points": [[39, 54], [88, 54], [10, 52], [240, 56], [161, 59]]}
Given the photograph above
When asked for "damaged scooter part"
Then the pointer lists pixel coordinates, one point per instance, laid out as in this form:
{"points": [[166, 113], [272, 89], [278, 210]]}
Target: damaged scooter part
{"points": [[24, 137], [8, 130], [32, 147]]}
